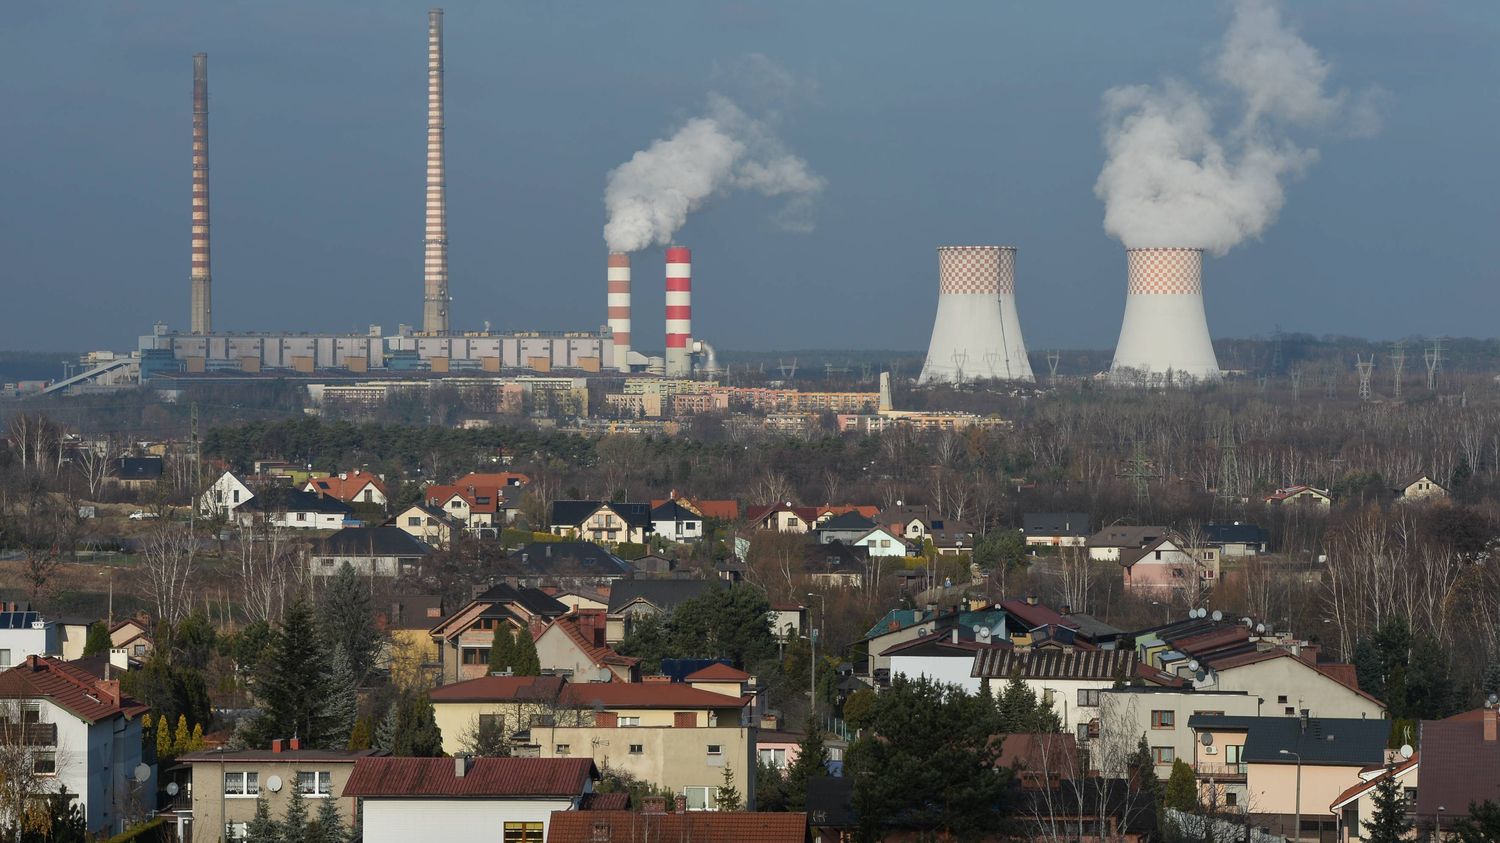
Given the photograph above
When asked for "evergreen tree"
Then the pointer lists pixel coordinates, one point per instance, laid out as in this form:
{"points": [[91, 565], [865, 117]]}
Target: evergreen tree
{"points": [[385, 733], [527, 663], [195, 743], [182, 738], [359, 737], [263, 829], [414, 732], [294, 685], [770, 788], [341, 706], [98, 643], [485, 738], [502, 649], [1389, 823], [727, 796], [1491, 682], [294, 822], [1430, 693], [329, 826], [1182, 787], [349, 619], [812, 762], [1482, 825], [1143, 769], [647, 641], [163, 739]]}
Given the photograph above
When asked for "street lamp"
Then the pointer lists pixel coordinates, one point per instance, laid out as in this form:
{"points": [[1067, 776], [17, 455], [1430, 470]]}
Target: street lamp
{"points": [[812, 643], [1298, 830]]}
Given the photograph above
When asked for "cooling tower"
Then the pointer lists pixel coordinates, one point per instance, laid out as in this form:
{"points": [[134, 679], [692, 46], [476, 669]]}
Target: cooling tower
{"points": [[977, 333], [1164, 337], [619, 307], [435, 244], [201, 274], [679, 363]]}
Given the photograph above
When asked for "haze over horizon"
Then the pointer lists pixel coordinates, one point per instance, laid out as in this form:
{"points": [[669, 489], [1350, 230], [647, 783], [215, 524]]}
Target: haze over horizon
{"points": [[917, 126]]}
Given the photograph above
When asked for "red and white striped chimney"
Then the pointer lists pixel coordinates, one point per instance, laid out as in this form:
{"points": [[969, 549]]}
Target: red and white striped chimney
{"points": [[619, 307], [679, 363], [201, 272]]}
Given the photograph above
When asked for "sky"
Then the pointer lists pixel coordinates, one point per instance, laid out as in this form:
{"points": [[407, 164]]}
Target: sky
{"points": [[926, 124]]}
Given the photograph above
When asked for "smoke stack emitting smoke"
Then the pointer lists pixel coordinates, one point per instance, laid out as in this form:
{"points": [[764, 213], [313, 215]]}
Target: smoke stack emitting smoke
{"points": [[648, 198], [1171, 181]]}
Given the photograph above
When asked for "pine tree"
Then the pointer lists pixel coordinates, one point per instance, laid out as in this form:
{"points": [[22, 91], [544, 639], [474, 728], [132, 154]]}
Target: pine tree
{"points": [[385, 733], [98, 641], [294, 823], [263, 829], [527, 662], [182, 739], [727, 797], [163, 738], [359, 736], [348, 619], [341, 706], [329, 827], [414, 730], [1182, 787], [1491, 683], [293, 685], [1144, 767], [812, 762], [502, 649], [1389, 823]]}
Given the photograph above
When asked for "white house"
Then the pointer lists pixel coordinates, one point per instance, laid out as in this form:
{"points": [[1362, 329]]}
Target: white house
{"points": [[294, 509], [1289, 684], [1161, 715], [676, 523], [466, 798], [23, 634], [372, 551], [224, 496], [882, 542], [1069, 680], [82, 737]]}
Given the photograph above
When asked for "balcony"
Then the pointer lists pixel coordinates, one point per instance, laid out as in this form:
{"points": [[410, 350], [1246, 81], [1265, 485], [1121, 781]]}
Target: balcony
{"points": [[29, 734], [1220, 772]]}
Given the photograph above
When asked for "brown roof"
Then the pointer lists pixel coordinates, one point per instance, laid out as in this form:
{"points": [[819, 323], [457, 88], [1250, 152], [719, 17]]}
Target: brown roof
{"points": [[71, 688], [499, 688], [346, 487], [1050, 753], [493, 478], [617, 801], [600, 655], [697, 826], [1459, 765], [327, 756], [1342, 674], [563, 778], [1059, 664], [1355, 791], [493, 496], [717, 672], [645, 695]]}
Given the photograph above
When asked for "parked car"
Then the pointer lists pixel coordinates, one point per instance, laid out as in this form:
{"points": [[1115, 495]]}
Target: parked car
{"points": [[143, 515]]}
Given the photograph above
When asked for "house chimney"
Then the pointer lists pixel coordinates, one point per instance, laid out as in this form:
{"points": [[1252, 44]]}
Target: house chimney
{"points": [[1031, 599], [1489, 725], [955, 635], [109, 690], [1065, 609], [680, 803], [1304, 714], [654, 805], [461, 765], [276, 744], [296, 743]]}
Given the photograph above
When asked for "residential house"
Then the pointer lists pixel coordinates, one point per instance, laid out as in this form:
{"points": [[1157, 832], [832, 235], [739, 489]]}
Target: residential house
{"points": [[281, 506], [411, 654], [881, 542], [72, 635], [579, 599], [1108, 544], [1289, 762], [631, 600], [135, 472], [676, 523], [372, 551], [1028, 619], [83, 735], [822, 514], [1461, 756], [1355, 807], [1301, 495], [945, 656], [465, 798], [788, 620], [1419, 488], [351, 487], [655, 825], [846, 528], [836, 565], [428, 524], [511, 703], [718, 510], [133, 636], [226, 785], [919, 524], [782, 518], [1161, 713], [1166, 564], [901, 625], [606, 521], [480, 509], [1056, 529], [652, 565], [464, 637], [1058, 675], [224, 496], [1290, 685], [24, 633], [1236, 540], [573, 646], [569, 564], [497, 479]]}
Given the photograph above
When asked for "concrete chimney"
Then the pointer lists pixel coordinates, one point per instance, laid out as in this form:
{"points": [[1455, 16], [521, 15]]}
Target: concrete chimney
{"points": [[885, 405], [435, 251], [201, 273], [679, 362], [1489, 724], [977, 333], [1164, 337], [619, 307]]}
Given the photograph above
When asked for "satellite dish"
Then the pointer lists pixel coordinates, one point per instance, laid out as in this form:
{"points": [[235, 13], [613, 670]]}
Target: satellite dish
{"points": [[142, 772], [921, 632], [1207, 739], [1196, 613], [1260, 628], [172, 788], [1218, 616], [1200, 676], [983, 633], [1193, 665], [273, 784], [1406, 750], [1245, 621], [1492, 699]]}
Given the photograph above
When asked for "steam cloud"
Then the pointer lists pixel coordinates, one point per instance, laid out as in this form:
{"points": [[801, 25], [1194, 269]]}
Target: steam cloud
{"points": [[648, 198], [1171, 181]]}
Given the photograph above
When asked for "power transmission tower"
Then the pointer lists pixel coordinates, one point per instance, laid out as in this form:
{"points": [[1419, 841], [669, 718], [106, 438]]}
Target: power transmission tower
{"points": [[1434, 356], [1138, 471], [1330, 379], [864, 373], [1366, 368], [1296, 383], [991, 357], [1053, 358], [1260, 383], [959, 359], [1229, 463], [1398, 364]]}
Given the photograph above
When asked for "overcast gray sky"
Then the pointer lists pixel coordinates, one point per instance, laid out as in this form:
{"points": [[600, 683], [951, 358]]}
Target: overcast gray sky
{"points": [[930, 123]]}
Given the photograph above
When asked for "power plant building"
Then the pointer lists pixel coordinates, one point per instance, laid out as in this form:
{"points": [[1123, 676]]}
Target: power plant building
{"points": [[1164, 338], [977, 333]]}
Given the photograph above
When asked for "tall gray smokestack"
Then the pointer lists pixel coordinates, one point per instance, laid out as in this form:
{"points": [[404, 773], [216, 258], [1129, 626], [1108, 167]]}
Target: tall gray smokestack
{"points": [[435, 258], [201, 274]]}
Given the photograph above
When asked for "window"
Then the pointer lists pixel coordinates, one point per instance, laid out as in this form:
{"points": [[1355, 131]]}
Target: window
{"points": [[1208, 713], [4, 658], [637, 749], [413, 520], [44, 763], [457, 504], [1411, 796], [1163, 754], [369, 496], [315, 783], [523, 833], [773, 758], [697, 798], [1231, 798], [301, 516], [630, 721], [1088, 697], [476, 655], [715, 749], [1281, 700], [1291, 712], [563, 749], [241, 784], [236, 495], [1163, 719], [1232, 753]]}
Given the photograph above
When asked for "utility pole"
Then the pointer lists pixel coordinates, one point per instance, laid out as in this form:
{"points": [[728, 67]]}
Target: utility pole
{"points": [[812, 643]]}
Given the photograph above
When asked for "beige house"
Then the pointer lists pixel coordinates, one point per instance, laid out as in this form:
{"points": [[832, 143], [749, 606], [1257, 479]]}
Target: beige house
{"points": [[573, 646], [1161, 714], [1420, 488], [132, 636], [601, 521], [429, 524], [1301, 495], [225, 785], [1290, 684], [1356, 806], [464, 638]]}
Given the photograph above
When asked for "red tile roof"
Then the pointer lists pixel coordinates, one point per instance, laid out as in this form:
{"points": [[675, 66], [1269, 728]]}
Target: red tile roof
{"points": [[323, 756], [600, 655], [515, 778], [722, 510], [440, 495], [494, 688], [346, 487], [717, 672], [69, 687], [1035, 614], [645, 695], [1461, 766], [1365, 786], [697, 826]]}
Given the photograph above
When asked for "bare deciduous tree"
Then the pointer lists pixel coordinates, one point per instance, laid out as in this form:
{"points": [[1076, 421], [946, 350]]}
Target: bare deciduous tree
{"points": [[168, 570]]}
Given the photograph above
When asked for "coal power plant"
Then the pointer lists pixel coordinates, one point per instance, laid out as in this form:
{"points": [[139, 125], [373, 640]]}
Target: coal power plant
{"points": [[977, 334]]}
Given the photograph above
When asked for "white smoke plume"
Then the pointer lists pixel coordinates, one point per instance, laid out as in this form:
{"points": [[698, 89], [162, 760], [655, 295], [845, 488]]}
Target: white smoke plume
{"points": [[1171, 180], [648, 198]]}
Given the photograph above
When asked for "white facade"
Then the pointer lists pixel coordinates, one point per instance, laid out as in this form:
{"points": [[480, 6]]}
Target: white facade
{"points": [[686, 530], [96, 762], [294, 519], [977, 332], [1164, 336], [881, 542], [952, 670], [37, 639], [1289, 684], [1161, 714], [404, 820], [224, 496]]}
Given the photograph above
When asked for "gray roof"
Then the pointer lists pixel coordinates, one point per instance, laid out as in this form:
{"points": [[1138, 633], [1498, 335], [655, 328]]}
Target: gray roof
{"points": [[665, 595], [1092, 626], [1055, 664], [851, 522], [1124, 535], [1055, 523], [573, 513], [1236, 533], [1344, 741], [572, 559], [287, 499], [137, 468], [370, 541]]}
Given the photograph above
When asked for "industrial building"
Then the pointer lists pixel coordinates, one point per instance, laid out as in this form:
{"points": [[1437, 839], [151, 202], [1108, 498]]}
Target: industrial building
{"points": [[1164, 337], [977, 333]]}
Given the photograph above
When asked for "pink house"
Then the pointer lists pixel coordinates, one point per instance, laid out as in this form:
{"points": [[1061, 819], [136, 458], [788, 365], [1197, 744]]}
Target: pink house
{"points": [[1166, 564]]}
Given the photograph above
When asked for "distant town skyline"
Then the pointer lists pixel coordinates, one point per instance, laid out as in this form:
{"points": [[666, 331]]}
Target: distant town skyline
{"points": [[966, 123]]}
